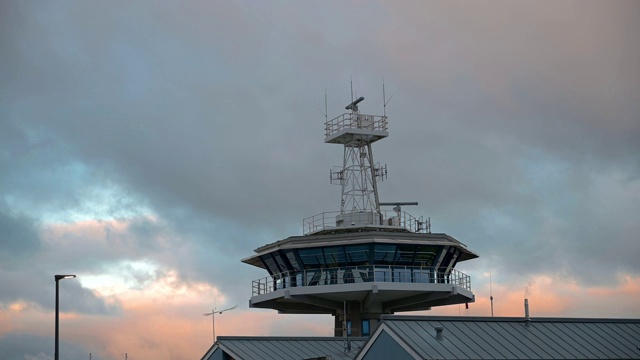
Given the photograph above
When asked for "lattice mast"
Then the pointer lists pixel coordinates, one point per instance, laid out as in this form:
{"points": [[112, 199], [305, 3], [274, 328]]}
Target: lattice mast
{"points": [[359, 174]]}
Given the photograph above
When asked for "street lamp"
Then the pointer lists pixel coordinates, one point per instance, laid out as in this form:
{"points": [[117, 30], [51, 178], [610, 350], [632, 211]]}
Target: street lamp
{"points": [[213, 319], [58, 278]]}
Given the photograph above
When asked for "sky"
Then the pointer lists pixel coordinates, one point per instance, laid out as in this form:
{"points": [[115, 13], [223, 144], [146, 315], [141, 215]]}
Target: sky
{"points": [[147, 147]]}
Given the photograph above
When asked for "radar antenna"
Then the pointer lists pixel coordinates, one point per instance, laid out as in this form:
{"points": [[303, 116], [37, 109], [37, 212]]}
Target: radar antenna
{"points": [[354, 104]]}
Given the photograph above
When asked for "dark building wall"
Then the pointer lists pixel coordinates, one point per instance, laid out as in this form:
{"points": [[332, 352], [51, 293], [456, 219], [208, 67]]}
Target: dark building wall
{"points": [[219, 354], [385, 348]]}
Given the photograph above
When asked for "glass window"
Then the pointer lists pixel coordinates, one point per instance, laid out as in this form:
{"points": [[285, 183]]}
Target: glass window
{"points": [[271, 264], [405, 255], [357, 255], [280, 262], [292, 259], [311, 258], [402, 275], [446, 259], [384, 254], [382, 274], [366, 331], [312, 278], [425, 255], [334, 256], [422, 275]]}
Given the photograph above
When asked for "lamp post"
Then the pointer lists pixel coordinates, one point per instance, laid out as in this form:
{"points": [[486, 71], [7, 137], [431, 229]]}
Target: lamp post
{"points": [[213, 319], [58, 278]]}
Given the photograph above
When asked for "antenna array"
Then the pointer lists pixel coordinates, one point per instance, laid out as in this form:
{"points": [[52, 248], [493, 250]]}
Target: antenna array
{"points": [[359, 174]]}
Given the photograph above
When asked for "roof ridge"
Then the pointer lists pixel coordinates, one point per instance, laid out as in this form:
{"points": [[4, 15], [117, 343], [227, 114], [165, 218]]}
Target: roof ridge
{"points": [[503, 319], [289, 338]]}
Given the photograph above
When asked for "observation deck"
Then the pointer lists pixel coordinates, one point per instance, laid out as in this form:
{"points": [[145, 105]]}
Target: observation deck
{"points": [[376, 269], [355, 128], [395, 288]]}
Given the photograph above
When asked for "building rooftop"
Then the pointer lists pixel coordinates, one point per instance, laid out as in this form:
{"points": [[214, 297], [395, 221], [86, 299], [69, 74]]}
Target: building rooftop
{"points": [[503, 338], [282, 347]]}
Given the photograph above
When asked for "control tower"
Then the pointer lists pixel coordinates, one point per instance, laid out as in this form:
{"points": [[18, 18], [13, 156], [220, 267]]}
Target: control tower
{"points": [[362, 261]]}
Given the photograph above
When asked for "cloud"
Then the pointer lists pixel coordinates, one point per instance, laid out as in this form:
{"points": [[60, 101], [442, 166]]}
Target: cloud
{"points": [[148, 148], [41, 293], [18, 235], [163, 317], [32, 347], [551, 296]]}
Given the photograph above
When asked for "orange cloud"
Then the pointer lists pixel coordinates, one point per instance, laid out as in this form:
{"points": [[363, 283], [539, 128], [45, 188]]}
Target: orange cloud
{"points": [[162, 320], [555, 297], [165, 319]]}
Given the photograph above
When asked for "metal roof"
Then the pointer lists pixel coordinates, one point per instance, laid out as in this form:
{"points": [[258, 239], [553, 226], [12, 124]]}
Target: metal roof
{"points": [[285, 348], [511, 338]]}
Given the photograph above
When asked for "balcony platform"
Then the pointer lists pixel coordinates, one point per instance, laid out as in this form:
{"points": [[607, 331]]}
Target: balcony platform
{"points": [[379, 289]]}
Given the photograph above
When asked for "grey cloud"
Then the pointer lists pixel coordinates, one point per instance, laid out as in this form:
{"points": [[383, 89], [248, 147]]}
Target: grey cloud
{"points": [[19, 237], [20, 346], [515, 126], [216, 130], [38, 287], [558, 78], [84, 301]]}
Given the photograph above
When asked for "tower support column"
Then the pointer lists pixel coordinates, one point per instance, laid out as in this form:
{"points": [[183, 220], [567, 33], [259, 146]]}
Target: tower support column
{"points": [[355, 316]]}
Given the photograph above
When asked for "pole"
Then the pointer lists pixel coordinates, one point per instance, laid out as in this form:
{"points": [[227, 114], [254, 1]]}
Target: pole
{"points": [[344, 326], [55, 354], [213, 319], [490, 294], [213, 325]]}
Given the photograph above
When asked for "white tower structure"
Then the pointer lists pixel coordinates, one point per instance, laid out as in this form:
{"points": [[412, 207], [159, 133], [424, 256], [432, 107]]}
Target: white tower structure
{"points": [[359, 174], [362, 261]]}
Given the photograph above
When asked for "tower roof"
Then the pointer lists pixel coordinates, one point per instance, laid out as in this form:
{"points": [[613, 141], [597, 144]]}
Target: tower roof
{"points": [[361, 237]]}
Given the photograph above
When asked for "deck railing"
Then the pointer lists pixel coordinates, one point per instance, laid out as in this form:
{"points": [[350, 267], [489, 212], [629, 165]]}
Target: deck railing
{"points": [[355, 121], [386, 218], [361, 274]]}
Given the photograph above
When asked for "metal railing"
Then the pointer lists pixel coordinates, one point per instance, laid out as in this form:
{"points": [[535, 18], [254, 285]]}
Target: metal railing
{"points": [[361, 274], [329, 220], [355, 121]]}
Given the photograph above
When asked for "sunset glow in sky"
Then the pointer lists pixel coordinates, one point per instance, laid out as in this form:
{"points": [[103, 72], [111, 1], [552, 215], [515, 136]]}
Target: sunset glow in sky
{"points": [[147, 147]]}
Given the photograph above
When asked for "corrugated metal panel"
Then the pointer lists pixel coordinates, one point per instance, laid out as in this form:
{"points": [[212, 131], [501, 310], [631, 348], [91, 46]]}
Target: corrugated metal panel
{"points": [[287, 348], [510, 338]]}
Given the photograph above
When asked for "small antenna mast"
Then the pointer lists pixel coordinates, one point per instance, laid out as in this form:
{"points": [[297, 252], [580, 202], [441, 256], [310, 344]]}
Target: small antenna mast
{"points": [[384, 100], [326, 119], [352, 89], [490, 294], [213, 319], [325, 107]]}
